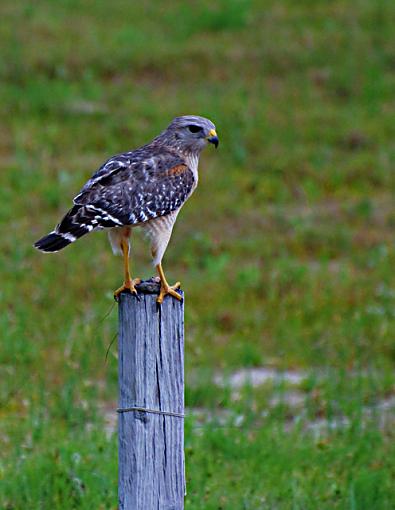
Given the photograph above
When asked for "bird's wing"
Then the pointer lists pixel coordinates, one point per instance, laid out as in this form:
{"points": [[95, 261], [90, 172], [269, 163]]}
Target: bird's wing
{"points": [[133, 188], [128, 189], [114, 165]]}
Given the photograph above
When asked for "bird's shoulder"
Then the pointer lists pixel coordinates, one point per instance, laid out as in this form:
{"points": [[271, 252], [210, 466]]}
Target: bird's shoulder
{"points": [[143, 166]]}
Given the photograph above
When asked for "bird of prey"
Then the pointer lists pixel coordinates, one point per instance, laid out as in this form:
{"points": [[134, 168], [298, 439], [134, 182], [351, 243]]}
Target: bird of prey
{"points": [[145, 187]]}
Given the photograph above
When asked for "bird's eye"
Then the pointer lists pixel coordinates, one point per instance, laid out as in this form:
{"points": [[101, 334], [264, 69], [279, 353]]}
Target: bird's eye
{"points": [[194, 129]]}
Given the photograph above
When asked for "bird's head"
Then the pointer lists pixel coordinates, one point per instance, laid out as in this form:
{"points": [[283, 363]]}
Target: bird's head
{"points": [[191, 133]]}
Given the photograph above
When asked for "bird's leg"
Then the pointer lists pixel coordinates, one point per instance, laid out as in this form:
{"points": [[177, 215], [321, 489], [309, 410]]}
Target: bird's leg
{"points": [[165, 288], [129, 283]]}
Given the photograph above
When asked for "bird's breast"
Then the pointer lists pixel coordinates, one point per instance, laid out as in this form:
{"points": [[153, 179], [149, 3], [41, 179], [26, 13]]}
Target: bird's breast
{"points": [[193, 163]]}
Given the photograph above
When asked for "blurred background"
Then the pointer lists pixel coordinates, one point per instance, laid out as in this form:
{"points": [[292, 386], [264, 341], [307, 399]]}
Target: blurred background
{"points": [[285, 252]]}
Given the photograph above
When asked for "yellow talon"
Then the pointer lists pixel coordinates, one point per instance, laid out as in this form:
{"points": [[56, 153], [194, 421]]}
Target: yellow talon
{"points": [[129, 282], [169, 290], [128, 285], [165, 288]]}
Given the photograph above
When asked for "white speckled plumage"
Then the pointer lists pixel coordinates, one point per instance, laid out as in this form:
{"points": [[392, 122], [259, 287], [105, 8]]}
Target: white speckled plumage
{"points": [[145, 187]]}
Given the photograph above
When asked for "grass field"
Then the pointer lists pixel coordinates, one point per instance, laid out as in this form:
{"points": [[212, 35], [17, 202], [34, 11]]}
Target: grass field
{"points": [[286, 251]]}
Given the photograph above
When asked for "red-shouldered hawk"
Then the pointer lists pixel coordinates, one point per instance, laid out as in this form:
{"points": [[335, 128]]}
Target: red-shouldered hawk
{"points": [[145, 187]]}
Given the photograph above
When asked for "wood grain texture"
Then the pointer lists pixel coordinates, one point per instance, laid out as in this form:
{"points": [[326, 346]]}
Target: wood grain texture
{"points": [[151, 375]]}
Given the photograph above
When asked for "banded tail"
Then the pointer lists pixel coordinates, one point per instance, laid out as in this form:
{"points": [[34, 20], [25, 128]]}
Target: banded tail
{"points": [[52, 242], [80, 220]]}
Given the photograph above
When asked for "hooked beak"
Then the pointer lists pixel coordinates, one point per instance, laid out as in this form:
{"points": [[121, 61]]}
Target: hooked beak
{"points": [[213, 138]]}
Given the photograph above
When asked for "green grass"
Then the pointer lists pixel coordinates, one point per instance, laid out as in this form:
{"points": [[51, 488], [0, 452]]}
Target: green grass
{"points": [[286, 251]]}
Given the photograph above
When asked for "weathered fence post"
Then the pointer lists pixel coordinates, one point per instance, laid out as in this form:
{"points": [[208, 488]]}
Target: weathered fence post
{"points": [[151, 401]]}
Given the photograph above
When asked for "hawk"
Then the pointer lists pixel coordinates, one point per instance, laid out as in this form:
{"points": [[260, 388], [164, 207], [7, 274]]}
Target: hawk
{"points": [[145, 187]]}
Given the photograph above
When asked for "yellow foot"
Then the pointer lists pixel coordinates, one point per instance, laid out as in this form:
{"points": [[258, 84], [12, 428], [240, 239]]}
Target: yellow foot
{"points": [[128, 285], [168, 289]]}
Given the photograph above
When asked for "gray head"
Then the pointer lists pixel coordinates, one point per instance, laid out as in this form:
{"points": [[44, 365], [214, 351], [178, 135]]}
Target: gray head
{"points": [[190, 133]]}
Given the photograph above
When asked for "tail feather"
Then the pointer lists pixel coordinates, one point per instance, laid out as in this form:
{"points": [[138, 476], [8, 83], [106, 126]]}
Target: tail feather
{"points": [[73, 226], [53, 242], [80, 220]]}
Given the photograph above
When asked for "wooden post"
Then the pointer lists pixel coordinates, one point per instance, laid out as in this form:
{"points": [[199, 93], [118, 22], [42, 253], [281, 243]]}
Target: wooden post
{"points": [[151, 401]]}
